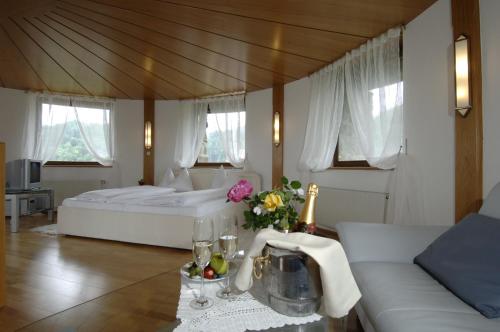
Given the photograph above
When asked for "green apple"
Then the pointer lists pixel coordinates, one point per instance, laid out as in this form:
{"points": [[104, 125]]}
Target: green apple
{"points": [[218, 263]]}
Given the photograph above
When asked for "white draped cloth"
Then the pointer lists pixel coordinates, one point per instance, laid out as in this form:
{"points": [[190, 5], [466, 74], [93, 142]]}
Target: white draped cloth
{"points": [[340, 291], [46, 124], [325, 115], [230, 117], [191, 132], [374, 89]]}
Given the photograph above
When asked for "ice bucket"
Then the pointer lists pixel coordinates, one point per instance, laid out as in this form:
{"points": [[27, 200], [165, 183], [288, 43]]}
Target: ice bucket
{"points": [[287, 281]]}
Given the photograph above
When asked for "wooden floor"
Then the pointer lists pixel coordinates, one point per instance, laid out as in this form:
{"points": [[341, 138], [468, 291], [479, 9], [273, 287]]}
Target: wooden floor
{"points": [[68, 284]]}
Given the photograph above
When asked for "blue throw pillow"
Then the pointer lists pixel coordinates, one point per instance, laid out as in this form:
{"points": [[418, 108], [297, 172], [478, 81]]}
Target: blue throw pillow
{"points": [[466, 260]]}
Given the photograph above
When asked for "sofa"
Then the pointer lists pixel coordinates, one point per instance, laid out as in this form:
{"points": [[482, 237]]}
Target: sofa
{"points": [[398, 295]]}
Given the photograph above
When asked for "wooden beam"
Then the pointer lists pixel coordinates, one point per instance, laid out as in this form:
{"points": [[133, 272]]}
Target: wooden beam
{"points": [[2, 225], [469, 129], [149, 156], [278, 106]]}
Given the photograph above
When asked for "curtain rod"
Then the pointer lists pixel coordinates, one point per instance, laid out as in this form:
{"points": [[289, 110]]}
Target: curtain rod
{"points": [[45, 92], [235, 93]]}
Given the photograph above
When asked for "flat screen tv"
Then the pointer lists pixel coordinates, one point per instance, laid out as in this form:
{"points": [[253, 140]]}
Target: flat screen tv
{"points": [[24, 174]]}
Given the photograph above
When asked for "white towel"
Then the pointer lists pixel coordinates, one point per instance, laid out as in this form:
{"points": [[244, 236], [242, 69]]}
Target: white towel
{"points": [[340, 292]]}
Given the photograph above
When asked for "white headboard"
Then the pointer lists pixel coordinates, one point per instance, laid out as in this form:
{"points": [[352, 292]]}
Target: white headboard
{"points": [[202, 177]]}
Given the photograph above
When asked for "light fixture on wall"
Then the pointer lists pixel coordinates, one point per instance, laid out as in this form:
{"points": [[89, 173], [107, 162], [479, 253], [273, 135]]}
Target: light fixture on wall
{"points": [[276, 129], [462, 77], [148, 144]]}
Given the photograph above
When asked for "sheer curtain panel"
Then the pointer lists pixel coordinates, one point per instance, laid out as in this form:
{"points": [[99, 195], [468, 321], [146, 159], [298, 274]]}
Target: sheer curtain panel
{"points": [[230, 117], [95, 121], [326, 105], [48, 116], [191, 132], [374, 90]]}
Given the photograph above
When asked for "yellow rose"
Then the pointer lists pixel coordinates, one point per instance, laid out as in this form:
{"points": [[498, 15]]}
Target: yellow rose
{"points": [[272, 201]]}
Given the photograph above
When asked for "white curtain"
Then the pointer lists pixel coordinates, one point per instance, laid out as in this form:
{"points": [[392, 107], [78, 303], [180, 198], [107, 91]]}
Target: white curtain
{"points": [[191, 132], [230, 117], [46, 123], [325, 115], [95, 121], [405, 205], [374, 92]]}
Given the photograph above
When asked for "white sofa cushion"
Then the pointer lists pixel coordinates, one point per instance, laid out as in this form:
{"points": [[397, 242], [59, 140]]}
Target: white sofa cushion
{"points": [[391, 290]]}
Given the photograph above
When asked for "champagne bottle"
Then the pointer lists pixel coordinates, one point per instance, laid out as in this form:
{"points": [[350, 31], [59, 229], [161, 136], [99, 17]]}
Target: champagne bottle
{"points": [[307, 218]]}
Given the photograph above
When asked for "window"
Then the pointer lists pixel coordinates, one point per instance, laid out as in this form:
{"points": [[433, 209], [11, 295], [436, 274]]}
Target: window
{"points": [[75, 135], [383, 103], [223, 128]]}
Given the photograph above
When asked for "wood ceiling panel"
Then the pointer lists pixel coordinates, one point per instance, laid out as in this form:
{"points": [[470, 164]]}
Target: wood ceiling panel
{"points": [[15, 71], [208, 76], [110, 78], [262, 57], [177, 49], [60, 49], [313, 44], [46, 68], [161, 73], [355, 17], [123, 58], [247, 73]]}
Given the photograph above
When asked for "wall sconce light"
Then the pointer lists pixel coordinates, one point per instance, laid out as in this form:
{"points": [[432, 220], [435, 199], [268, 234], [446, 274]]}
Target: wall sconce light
{"points": [[276, 129], [462, 78], [148, 144]]}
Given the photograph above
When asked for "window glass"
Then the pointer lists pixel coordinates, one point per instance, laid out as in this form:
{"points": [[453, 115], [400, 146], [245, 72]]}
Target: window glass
{"points": [[221, 126]]}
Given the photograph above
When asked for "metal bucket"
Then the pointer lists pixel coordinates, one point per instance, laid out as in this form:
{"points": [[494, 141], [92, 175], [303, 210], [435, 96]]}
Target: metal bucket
{"points": [[289, 280]]}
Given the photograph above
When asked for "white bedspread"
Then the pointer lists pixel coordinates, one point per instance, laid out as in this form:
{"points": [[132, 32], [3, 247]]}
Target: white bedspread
{"points": [[122, 195], [152, 196]]}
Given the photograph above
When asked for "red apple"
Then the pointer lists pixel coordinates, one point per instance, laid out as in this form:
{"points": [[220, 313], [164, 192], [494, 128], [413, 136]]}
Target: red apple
{"points": [[208, 273]]}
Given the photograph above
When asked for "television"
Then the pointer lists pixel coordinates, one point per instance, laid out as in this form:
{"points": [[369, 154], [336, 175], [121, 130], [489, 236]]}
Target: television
{"points": [[24, 174]]}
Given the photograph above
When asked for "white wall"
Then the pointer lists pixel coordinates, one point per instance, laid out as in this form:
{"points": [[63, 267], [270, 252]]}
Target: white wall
{"points": [[129, 137], [490, 50], [430, 125], [258, 134]]}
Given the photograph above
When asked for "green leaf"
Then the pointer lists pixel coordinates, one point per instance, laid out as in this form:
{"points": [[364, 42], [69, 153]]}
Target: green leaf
{"points": [[295, 184], [284, 180]]}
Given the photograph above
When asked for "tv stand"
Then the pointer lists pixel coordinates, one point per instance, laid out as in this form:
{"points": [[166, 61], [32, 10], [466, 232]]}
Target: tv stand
{"points": [[27, 202]]}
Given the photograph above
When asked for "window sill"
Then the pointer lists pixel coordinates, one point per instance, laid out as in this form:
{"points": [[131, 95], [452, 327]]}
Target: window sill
{"points": [[213, 165], [90, 164], [355, 168]]}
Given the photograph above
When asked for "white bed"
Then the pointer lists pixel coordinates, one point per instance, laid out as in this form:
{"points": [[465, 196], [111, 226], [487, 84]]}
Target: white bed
{"points": [[154, 225]]}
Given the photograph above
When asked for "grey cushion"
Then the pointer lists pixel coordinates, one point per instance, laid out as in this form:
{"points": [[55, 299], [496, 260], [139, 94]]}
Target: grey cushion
{"points": [[465, 259], [491, 205], [401, 297]]}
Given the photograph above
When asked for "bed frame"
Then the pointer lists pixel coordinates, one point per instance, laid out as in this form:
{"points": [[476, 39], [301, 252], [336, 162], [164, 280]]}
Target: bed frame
{"points": [[145, 228]]}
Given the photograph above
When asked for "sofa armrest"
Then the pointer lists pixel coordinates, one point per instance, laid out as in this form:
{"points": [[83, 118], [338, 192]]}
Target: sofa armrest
{"points": [[385, 243]]}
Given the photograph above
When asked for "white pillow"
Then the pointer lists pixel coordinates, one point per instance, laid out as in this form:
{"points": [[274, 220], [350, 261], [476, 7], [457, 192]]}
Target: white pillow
{"points": [[182, 181], [231, 180], [219, 178], [168, 178]]}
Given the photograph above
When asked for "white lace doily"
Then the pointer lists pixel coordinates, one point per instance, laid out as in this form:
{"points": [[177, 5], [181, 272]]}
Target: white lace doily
{"points": [[241, 314]]}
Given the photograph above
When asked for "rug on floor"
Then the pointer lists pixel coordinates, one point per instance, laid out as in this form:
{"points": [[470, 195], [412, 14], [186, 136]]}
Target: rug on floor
{"points": [[47, 229]]}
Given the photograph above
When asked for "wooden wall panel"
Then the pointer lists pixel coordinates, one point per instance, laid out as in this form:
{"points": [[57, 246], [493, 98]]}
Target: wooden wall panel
{"points": [[278, 106], [149, 156], [2, 225], [469, 129]]}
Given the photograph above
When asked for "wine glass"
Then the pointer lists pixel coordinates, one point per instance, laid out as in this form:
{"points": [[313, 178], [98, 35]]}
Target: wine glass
{"points": [[228, 245], [203, 241]]}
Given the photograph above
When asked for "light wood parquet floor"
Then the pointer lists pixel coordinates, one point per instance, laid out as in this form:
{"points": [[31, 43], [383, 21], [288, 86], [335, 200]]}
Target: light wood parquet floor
{"points": [[69, 284]]}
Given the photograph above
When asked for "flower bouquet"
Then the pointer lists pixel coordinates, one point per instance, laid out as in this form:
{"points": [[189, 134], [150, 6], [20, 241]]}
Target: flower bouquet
{"points": [[276, 208]]}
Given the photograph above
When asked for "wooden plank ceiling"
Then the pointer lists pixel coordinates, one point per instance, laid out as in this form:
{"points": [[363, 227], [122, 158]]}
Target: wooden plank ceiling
{"points": [[176, 49]]}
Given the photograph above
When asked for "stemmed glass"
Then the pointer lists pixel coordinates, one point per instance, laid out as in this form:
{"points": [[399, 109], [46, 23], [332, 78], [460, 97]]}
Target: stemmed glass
{"points": [[228, 245], [203, 241]]}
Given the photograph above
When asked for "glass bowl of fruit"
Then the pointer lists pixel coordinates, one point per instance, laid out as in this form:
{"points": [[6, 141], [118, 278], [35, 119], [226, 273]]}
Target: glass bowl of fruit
{"points": [[215, 271]]}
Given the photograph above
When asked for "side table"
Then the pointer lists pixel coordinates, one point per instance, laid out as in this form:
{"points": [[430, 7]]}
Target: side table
{"points": [[43, 202]]}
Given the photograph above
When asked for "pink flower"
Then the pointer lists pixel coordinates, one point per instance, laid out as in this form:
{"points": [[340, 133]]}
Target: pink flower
{"points": [[240, 191]]}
